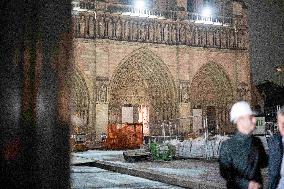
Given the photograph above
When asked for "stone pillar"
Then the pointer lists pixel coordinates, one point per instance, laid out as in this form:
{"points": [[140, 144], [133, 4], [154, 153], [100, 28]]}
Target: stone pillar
{"points": [[101, 119], [102, 106], [186, 123], [184, 108], [35, 114]]}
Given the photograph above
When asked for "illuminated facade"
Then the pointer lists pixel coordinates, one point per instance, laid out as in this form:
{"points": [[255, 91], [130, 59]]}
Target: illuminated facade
{"points": [[164, 59]]}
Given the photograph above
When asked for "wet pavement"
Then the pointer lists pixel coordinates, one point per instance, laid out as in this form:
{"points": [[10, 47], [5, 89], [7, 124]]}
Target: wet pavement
{"points": [[83, 177], [189, 169], [191, 173]]}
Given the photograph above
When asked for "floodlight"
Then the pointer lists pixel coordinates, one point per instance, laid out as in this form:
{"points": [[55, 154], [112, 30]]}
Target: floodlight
{"points": [[139, 4], [206, 12]]}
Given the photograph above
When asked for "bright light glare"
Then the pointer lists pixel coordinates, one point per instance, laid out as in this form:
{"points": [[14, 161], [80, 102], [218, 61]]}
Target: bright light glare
{"points": [[139, 4], [206, 12], [278, 69]]}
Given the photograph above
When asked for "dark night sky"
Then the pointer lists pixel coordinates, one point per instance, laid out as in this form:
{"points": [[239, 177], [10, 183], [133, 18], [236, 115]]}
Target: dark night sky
{"points": [[266, 22]]}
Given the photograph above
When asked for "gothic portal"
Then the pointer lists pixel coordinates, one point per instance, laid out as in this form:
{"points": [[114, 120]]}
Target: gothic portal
{"points": [[142, 79]]}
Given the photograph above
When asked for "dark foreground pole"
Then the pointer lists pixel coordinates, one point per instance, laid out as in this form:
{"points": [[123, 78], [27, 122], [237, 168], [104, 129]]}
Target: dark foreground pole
{"points": [[35, 66]]}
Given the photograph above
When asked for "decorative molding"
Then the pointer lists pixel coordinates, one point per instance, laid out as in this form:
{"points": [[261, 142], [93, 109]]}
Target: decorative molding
{"points": [[169, 32]]}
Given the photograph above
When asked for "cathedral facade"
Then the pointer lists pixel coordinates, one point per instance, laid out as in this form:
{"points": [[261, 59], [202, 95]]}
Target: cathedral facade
{"points": [[166, 60]]}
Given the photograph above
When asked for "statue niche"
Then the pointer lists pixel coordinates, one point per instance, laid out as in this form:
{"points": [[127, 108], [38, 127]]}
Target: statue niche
{"points": [[184, 96], [102, 90]]}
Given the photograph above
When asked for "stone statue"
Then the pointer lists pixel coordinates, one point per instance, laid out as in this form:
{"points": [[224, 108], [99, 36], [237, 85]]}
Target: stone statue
{"points": [[184, 93], [102, 97], [242, 90]]}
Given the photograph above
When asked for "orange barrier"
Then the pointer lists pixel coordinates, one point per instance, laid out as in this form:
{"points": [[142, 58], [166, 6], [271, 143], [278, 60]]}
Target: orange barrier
{"points": [[127, 136]]}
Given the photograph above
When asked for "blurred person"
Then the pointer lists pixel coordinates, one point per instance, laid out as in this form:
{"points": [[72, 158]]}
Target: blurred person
{"points": [[242, 156], [276, 157]]}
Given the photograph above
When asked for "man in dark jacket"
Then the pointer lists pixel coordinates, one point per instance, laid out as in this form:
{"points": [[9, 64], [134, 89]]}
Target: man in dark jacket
{"points": [[243, 155], [275, 150]]}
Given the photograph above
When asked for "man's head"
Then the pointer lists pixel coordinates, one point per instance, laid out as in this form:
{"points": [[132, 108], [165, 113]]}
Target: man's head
{"points": [[280, 120], [242, 115]]}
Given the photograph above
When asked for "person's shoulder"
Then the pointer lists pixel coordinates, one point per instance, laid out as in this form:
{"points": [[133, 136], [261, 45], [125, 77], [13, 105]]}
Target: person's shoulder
{"points": [[225, 147], [274, 139], [227, 143], [274, 142]]}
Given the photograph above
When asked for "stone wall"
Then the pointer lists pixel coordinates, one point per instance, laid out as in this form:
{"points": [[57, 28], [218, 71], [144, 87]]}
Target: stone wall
{"points": [[99, 60]]}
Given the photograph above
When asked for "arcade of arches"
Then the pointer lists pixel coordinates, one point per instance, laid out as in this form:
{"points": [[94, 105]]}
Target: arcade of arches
{"points": [[169, 82]]}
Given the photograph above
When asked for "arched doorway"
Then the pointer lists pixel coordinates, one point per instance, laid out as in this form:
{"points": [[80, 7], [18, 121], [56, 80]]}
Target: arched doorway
{"points": [[211, 91], [143, 80], [80, 103]]}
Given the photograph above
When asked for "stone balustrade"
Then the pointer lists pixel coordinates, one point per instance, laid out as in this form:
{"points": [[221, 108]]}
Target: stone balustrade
{"points": [[124, 23]]}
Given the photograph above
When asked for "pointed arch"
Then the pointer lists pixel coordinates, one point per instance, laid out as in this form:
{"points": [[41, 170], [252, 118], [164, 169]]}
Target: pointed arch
{"points": [[211, 90], [211, 86], [80, 99], [142, 77]]}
